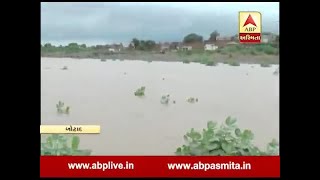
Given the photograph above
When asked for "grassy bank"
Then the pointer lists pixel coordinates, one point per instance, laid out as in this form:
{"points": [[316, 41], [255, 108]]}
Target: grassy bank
{"points": [[261, 54]]}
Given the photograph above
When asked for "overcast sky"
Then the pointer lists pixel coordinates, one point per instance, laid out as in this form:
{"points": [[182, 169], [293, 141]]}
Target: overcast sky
{"points": [[102, 23]]}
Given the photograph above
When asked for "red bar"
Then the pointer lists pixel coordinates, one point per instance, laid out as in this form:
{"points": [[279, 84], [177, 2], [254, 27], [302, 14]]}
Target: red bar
{"points": [[251, 38], [157, 166]]}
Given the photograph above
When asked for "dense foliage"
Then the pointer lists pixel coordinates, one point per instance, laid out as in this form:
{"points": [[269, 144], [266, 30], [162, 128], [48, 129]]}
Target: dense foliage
{"points": [[224, 140], [60, 145]]}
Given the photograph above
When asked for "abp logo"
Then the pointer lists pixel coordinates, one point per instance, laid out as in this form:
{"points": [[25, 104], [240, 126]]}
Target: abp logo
{"points": [[250, 27]]}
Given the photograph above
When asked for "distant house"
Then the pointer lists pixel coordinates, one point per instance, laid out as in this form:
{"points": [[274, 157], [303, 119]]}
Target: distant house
{"points": [[221, 38], [268, 37], [186, 48], [164, 47], [210, 47], [126, 45], [174, 46], [116, 47], [223, 41]]}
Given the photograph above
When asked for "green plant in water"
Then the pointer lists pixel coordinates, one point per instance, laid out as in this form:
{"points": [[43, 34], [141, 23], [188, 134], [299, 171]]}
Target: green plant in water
{"points": [[165, 99], [140, 91], [192, 100], [276, 72], [265, 65], [62, 145], [226, 140], [233, 63], [61, 109], [186, 61], [211, 63]]}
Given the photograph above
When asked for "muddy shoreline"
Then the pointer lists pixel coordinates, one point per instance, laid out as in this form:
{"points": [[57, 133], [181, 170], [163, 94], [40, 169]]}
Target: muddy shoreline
{"points": [[174, 57]]}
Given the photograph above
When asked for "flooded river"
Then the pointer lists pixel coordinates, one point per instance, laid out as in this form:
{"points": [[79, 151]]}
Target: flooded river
{"points": [[102, 93]]}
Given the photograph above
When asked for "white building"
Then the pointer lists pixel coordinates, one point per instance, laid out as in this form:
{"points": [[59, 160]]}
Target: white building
{"points": [[186, 48], [210, 47]]}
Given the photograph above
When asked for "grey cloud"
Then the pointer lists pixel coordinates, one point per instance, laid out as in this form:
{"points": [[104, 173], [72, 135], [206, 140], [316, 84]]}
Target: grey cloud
{"points": [[119, 22]]}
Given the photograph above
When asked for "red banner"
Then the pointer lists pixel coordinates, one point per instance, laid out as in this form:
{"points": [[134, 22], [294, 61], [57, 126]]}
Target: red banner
{"points": [[159, 166]]}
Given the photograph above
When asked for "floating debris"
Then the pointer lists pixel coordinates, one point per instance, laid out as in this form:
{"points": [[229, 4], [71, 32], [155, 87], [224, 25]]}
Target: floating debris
{"points": [[173, 101], [64, 68], [61, 109], [165, 99], [162, 78], [192, 100]]}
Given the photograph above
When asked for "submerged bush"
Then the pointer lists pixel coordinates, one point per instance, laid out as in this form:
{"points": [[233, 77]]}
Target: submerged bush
{"points": [[265, 65], [165, 99], [192, 100], [234, 63], [61, 109], [62, 145], [186, 61], [140, 91], [226, 140], [211, 63]]}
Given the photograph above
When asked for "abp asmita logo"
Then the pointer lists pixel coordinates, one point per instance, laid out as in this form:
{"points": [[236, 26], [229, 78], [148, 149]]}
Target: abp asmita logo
{"points": [[250, 27]]}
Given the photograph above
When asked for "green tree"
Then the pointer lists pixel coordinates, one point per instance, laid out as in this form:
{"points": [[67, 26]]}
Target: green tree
{"points": [[150, 44], [83, 46], [48, 45], [191, 38], [214, 35], [73, 45], [135, 42]]}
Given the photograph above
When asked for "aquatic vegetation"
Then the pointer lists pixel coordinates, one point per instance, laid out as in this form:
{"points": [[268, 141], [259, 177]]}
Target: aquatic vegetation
{"points": [[65, 68], [211, 63], [192, 100], [226, 140], [61, 109], [186, 61], [233, 63], [265, 65], [103, 60], [165, 99], [140, 91], [62, 145]]}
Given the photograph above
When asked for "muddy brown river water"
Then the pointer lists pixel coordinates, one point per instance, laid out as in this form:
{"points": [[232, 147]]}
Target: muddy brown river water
{"points": [[102, 93]]}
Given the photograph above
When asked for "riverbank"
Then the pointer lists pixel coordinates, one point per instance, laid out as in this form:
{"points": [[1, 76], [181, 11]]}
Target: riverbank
{"points": [[174, 57]]}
